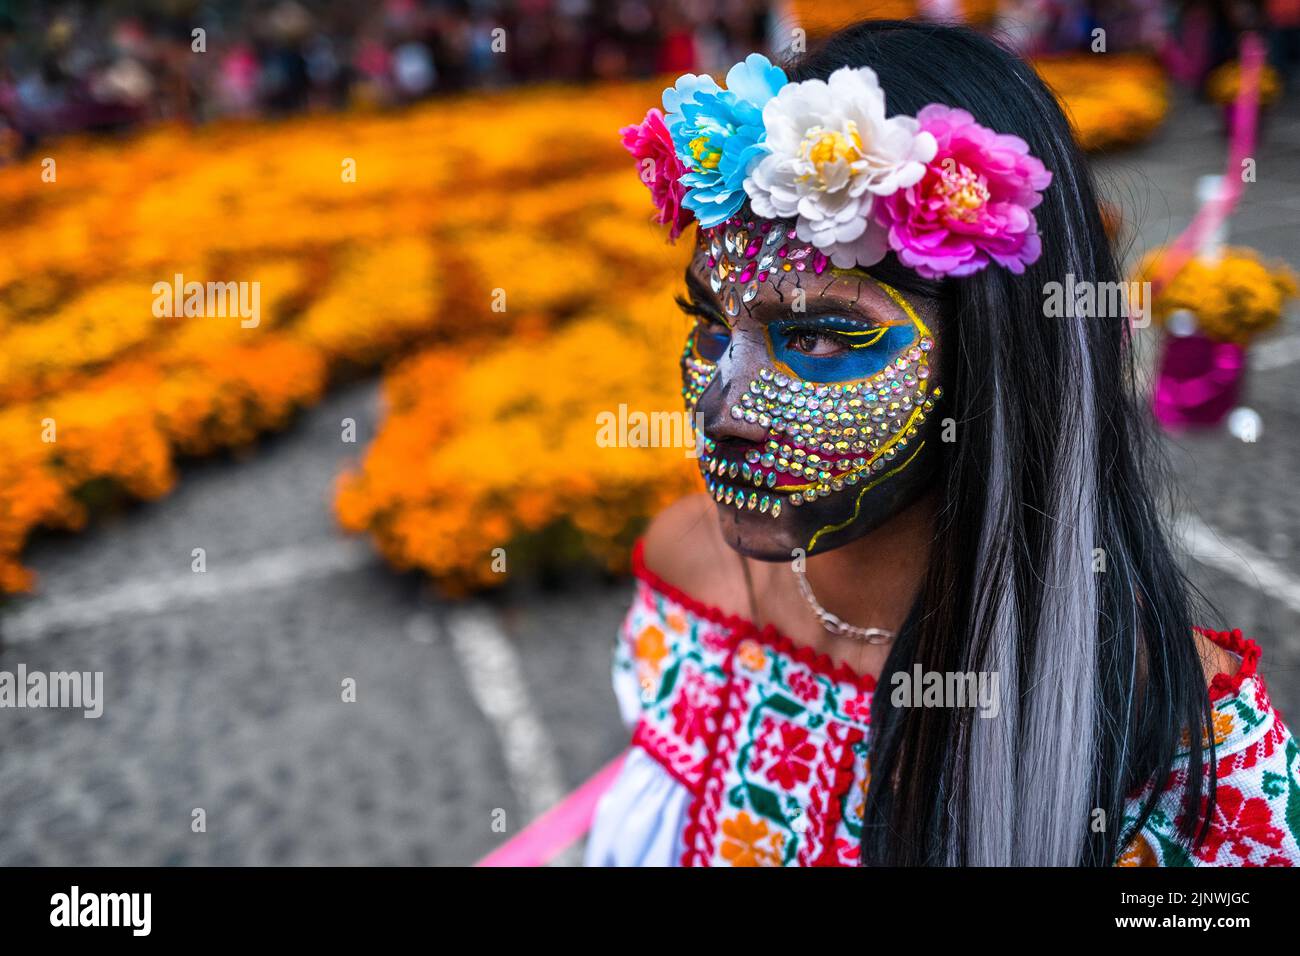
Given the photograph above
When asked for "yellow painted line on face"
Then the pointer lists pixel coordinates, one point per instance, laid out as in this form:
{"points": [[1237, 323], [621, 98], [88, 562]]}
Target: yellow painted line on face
{"points": [[903, 304], [875, 335], [858, 503]]}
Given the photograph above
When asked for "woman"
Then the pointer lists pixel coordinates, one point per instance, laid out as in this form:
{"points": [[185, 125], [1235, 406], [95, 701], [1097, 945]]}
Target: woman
{"points": [[926, 613]]}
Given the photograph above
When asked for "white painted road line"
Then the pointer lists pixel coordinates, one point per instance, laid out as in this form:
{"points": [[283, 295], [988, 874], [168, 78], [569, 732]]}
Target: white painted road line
{"points": [[1276, 354], [1239, 560], [31, 618], [496, 682]]}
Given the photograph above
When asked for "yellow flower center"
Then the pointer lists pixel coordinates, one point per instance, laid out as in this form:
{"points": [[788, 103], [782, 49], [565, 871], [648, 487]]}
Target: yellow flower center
{"points": [[962, 191], [829, 147], [706, 158]]}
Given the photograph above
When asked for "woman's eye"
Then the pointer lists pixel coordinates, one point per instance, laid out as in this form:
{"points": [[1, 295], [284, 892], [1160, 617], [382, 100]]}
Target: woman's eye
{"points": [[711, 338], [816, 343]]}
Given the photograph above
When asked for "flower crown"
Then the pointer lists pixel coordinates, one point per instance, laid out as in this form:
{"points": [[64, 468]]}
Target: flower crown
{"points": [[946, 194]]}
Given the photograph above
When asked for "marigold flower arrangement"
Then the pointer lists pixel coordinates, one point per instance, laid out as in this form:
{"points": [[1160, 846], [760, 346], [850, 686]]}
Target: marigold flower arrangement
{"points": [[1112, 100], [819, 18], [1223, 84], [1234, 298], [529, 443], [352, 273]]}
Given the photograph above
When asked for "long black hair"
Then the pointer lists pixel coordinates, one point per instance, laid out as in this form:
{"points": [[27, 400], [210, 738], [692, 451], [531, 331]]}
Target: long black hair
{"points": [[1050, 565]]}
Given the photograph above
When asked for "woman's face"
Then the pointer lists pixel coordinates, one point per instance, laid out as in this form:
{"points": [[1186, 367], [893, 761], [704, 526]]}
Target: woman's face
{"points": [[815, 390]]}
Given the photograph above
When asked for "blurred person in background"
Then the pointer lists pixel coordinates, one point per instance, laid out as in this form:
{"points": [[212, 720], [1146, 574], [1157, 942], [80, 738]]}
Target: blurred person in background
{"points": [[1283, 17]]}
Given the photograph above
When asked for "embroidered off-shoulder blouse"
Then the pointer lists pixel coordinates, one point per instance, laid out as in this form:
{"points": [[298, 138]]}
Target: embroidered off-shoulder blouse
{"points": [[748, 750]]}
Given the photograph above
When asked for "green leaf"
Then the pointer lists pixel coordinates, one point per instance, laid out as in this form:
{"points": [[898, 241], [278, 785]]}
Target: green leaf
{"points": [[784, 705], [1272, 783], [669, 679], [766, 804], [1249, 716], [1172, 853], [1293, 791]]}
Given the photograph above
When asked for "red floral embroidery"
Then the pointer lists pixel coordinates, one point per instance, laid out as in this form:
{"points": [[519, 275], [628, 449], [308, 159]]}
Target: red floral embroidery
{"points": [[805, 686], [858, 708], [791, 752], [718, 642], [1238, 821], [692, 708], [846, 853]]}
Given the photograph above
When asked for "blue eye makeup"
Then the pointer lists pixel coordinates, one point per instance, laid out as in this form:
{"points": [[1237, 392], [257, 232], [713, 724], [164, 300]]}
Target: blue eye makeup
{"points": [[710, 336], [835, 348]]}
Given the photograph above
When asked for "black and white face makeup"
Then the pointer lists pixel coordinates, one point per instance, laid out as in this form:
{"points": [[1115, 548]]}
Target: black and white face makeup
{"points": [[814, 387]]}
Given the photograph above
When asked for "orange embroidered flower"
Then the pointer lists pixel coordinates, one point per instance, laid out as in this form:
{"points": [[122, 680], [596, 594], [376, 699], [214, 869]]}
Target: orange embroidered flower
{"points": [[751, 655], [676, 621], [1139, 853], [742, 837], [651, 647], [864, 785], [1223, 726]]}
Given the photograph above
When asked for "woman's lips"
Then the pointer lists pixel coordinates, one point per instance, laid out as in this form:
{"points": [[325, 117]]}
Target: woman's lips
{"points": [[746, 476], [734, 482], [744, 466]]}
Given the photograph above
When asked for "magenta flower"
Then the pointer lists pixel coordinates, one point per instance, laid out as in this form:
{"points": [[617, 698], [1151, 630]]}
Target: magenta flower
{"points": [[973, 204], [651, 145]]}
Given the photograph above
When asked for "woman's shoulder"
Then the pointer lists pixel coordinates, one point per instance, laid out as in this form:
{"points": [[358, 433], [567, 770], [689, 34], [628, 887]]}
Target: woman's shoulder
{"points": [[1256, 816], [683, 552]]}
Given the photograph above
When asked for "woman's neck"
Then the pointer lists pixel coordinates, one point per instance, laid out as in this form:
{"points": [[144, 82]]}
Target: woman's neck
{"points": [[872, 581]]}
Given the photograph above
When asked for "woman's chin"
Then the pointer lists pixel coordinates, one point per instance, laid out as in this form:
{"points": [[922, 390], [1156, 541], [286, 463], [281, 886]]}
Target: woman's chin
{"points": [[760, 536]]}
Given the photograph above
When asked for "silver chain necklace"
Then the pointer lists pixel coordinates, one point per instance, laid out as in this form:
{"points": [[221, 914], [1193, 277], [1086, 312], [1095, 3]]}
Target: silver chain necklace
{"points": [[870, 635]]}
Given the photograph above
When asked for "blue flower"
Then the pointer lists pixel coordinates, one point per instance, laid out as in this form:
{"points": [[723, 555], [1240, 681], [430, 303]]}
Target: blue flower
{"points": [[718, 133]]}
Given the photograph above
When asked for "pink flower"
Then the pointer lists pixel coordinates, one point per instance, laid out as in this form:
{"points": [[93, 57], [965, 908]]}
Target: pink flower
{"points": [[973, 203], [651, 146]]}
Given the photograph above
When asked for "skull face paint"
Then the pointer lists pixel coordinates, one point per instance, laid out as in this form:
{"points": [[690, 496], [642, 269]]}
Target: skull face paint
{"points": [[815, 386]]}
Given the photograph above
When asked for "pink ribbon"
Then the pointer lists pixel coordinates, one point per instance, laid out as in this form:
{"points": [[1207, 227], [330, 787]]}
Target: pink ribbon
{"points": [[1199, 380], [1213, 213], [547, 836]]}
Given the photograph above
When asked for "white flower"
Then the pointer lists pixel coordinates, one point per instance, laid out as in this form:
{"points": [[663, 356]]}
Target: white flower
{"points": [[832, 151]]}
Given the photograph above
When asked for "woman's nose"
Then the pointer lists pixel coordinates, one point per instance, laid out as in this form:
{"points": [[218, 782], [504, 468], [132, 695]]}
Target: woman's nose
{"points": [[722, 405]]}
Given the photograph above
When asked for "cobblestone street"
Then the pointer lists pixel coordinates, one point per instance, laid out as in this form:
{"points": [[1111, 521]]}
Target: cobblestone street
{"points": [[222, 690]]}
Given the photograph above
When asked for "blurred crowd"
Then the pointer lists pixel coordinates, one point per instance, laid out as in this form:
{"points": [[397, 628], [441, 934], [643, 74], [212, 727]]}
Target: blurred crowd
{"points": [[102, 65], [72, 65]]}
